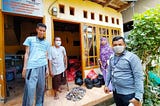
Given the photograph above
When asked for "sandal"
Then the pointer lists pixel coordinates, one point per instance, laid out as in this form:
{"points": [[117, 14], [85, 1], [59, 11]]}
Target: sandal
{"points": [[60, 90]]}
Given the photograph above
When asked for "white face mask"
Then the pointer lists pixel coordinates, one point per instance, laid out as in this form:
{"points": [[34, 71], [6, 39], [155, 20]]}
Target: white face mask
{"points": [[118, 49], [58, 43]]}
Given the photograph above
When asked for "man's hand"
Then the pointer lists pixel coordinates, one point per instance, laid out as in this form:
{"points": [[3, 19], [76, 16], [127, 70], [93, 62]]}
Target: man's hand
{"points": [[24, 73], [135, 102], [47, 73], [106, 89], [51, 74], [65, 66]]}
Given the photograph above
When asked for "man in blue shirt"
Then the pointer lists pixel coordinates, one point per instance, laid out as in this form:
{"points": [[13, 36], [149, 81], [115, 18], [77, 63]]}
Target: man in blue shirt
{"points": [[35, 67], [126, 74]]}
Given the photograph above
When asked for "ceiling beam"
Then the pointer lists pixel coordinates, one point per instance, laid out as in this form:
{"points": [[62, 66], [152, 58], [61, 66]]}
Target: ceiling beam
{"points": [[99, 1], [124, 7], [114, 5], [107, 3]]}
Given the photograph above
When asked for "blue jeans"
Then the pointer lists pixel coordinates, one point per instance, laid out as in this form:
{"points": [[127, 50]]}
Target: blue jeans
{"points": [[122, 100], [34, 83]]}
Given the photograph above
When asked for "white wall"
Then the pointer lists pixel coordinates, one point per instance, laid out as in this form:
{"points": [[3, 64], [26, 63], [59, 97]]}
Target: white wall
{"points": [[80, 6]]}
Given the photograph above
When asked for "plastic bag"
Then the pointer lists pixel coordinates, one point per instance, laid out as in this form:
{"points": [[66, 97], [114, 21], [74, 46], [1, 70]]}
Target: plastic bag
{"points": [[88, 83], [78, 81], [92, 75]]}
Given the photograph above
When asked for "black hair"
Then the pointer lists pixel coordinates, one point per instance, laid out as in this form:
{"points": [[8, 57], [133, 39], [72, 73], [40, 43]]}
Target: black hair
{"points": [[41, 25], [116, 38], [56, 37]]}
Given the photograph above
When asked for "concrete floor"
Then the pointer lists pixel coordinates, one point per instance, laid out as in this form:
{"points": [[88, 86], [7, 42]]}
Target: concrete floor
{"points": [[92, 97]]}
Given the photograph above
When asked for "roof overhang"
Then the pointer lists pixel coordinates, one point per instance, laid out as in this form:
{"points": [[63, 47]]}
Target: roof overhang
{"points": [[119, 5]]}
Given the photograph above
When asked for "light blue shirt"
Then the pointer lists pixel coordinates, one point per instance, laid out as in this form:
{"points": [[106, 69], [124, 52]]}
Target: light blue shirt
{"points": [[126, 74], [38, 52]]}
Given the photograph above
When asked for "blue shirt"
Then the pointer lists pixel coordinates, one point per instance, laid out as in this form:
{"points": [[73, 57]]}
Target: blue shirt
{"points": [[126, 74], [37, 52]]}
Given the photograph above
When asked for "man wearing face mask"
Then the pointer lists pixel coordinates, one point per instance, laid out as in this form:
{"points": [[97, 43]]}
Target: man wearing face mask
{"points": [[57, 66], [126, 74]]}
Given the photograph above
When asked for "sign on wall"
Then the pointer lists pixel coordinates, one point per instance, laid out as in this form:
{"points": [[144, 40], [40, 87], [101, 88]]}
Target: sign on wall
{"points": [[26, 7]]}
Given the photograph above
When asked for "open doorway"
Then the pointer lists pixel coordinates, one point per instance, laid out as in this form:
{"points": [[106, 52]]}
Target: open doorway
{"points": [[16, 29], [70, 36]]}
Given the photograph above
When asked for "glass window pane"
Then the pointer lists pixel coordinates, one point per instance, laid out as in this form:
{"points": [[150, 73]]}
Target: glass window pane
{"points": [[89, 37], [94, 29], [104, 31], [100, 32], [84, 28], [92, 62], [112, 32], [96, 61], [115, 32], [90, 44]]}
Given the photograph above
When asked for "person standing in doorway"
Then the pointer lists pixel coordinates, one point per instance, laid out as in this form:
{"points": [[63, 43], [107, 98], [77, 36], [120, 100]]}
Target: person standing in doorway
{"points": [[35, 67], [105, 53], [126, 74], [57, 66]]}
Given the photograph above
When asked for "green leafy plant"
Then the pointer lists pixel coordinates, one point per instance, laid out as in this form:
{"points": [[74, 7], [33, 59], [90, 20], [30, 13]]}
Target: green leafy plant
{"points": [[144, 40]]}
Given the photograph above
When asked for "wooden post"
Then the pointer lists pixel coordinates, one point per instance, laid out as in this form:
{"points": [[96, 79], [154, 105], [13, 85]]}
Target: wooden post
{"points": [[2, 60]]}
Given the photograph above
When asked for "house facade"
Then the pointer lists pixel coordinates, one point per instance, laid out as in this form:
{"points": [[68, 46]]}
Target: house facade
{"points": [[80, 24]]}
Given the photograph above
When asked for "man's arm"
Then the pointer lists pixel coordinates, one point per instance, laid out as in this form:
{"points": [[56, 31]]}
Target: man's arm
{"points": [[65, 58], [25, 61], [138, 77], [50, 68], [108, 78], [47, 66], [50, 61], [65, 61]]}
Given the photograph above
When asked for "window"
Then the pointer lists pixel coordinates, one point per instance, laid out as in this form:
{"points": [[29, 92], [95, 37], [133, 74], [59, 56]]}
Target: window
{"points": [[71, 10], [61, 8], [90, 46], [112, 32], [115, 31], [112, 20], [100, 18], [85, 14], [118, 32], [92, 16], [117, 21], [91, 42], [103, 32], [106, 18]]}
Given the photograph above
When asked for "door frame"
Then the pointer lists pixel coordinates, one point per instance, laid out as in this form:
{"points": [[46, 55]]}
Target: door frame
{"points": [[3, 88], [2, 61], [80, 32]]}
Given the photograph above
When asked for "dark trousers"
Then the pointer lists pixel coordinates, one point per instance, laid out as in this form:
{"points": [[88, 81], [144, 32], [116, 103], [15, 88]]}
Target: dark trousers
{"points": [[58, 80], [122, 100]]}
